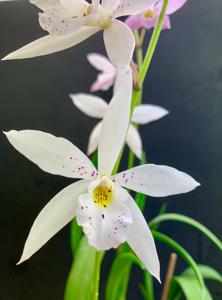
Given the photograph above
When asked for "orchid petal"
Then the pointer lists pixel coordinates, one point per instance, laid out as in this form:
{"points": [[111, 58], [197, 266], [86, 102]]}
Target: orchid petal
{"points": [[107, 227], [172, 6], [115, 126], [103, 82], [135, 22], [120, 75], [120, 43], [156, 180], [141, 240], [44, 4], [132, 7], [90, 105], [57, 21], [147, 113], [53, 217], [100, 62], [151, 23], [76, 7], [133, 140], [50, 44], [51, 154], [94, 138], [110, 5]]}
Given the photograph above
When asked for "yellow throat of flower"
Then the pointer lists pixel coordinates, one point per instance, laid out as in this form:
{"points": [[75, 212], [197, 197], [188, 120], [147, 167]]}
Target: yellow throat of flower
{"points": [[149, 14], [103, 193]]}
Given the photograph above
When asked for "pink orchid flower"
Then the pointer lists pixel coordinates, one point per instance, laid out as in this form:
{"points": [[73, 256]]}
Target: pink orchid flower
{"points": [[148, 18], [107, 75]]}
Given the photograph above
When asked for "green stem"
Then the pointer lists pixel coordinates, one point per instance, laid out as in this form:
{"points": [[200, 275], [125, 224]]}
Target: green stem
{"points": [[153, 41], [98, 260], [152, 46]]}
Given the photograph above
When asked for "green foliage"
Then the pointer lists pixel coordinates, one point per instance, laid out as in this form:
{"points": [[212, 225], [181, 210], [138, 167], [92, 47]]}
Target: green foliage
{"points": [[147, 289], [94, 159], [186, 284], [115, 289], [189, 221], [75, 235], [81, 278], [185, 255]]}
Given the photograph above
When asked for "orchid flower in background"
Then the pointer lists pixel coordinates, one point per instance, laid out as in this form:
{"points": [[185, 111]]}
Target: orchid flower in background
{"points": [[148, 18], [96, 107], [99, 201], [70, 22], [107, 75]]}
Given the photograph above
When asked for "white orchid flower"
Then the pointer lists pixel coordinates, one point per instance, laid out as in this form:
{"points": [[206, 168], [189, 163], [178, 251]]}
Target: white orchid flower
{"points": [[99, 201], [96, 107], [70, 22]]}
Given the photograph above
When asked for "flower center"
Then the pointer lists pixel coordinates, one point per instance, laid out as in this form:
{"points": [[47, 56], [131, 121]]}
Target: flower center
{"points": [[97, 18], [149, 14], [103, 193]]}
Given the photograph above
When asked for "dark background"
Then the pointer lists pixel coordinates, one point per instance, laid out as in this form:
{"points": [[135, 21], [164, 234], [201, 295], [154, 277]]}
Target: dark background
{"points": [[185, 77]]}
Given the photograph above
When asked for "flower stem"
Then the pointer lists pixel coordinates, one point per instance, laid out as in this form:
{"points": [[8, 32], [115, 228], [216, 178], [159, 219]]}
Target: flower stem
{"points": [[153, 41], [143, 65], [98, 260]]}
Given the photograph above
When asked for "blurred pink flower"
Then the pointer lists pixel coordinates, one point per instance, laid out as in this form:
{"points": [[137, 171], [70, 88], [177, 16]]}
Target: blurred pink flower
{"points": [[148, 18], [107, 75]]}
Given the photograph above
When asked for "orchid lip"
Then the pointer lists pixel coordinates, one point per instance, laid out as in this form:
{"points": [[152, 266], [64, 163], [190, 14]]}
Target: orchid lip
{"points": [[103, 192]]}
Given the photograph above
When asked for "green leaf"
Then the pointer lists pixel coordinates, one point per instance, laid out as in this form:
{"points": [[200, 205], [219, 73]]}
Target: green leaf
{"points": [[80, 281], [189, 221], [140, 200], [187, 282], [190, 288], [184, 254], [94, 159], [206, 271], [120, 268], [75, 235], [147, 289], [162, 211]]}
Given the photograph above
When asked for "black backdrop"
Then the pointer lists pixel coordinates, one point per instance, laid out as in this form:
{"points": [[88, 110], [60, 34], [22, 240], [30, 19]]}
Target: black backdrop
{"points": [[185, 77]]}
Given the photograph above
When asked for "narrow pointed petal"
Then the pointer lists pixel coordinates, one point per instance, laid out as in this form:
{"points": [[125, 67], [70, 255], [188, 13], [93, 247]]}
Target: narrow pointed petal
{"points": [[51, 154], [115, 125], [141, 240], [108, 227], [50, 44], [156, 180], [100, 62], [133, 140], [146, 113], [54, 216], [132, 7], [120, 43], [90, 105], [45, 4], [109, 6], [94, 138]]}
